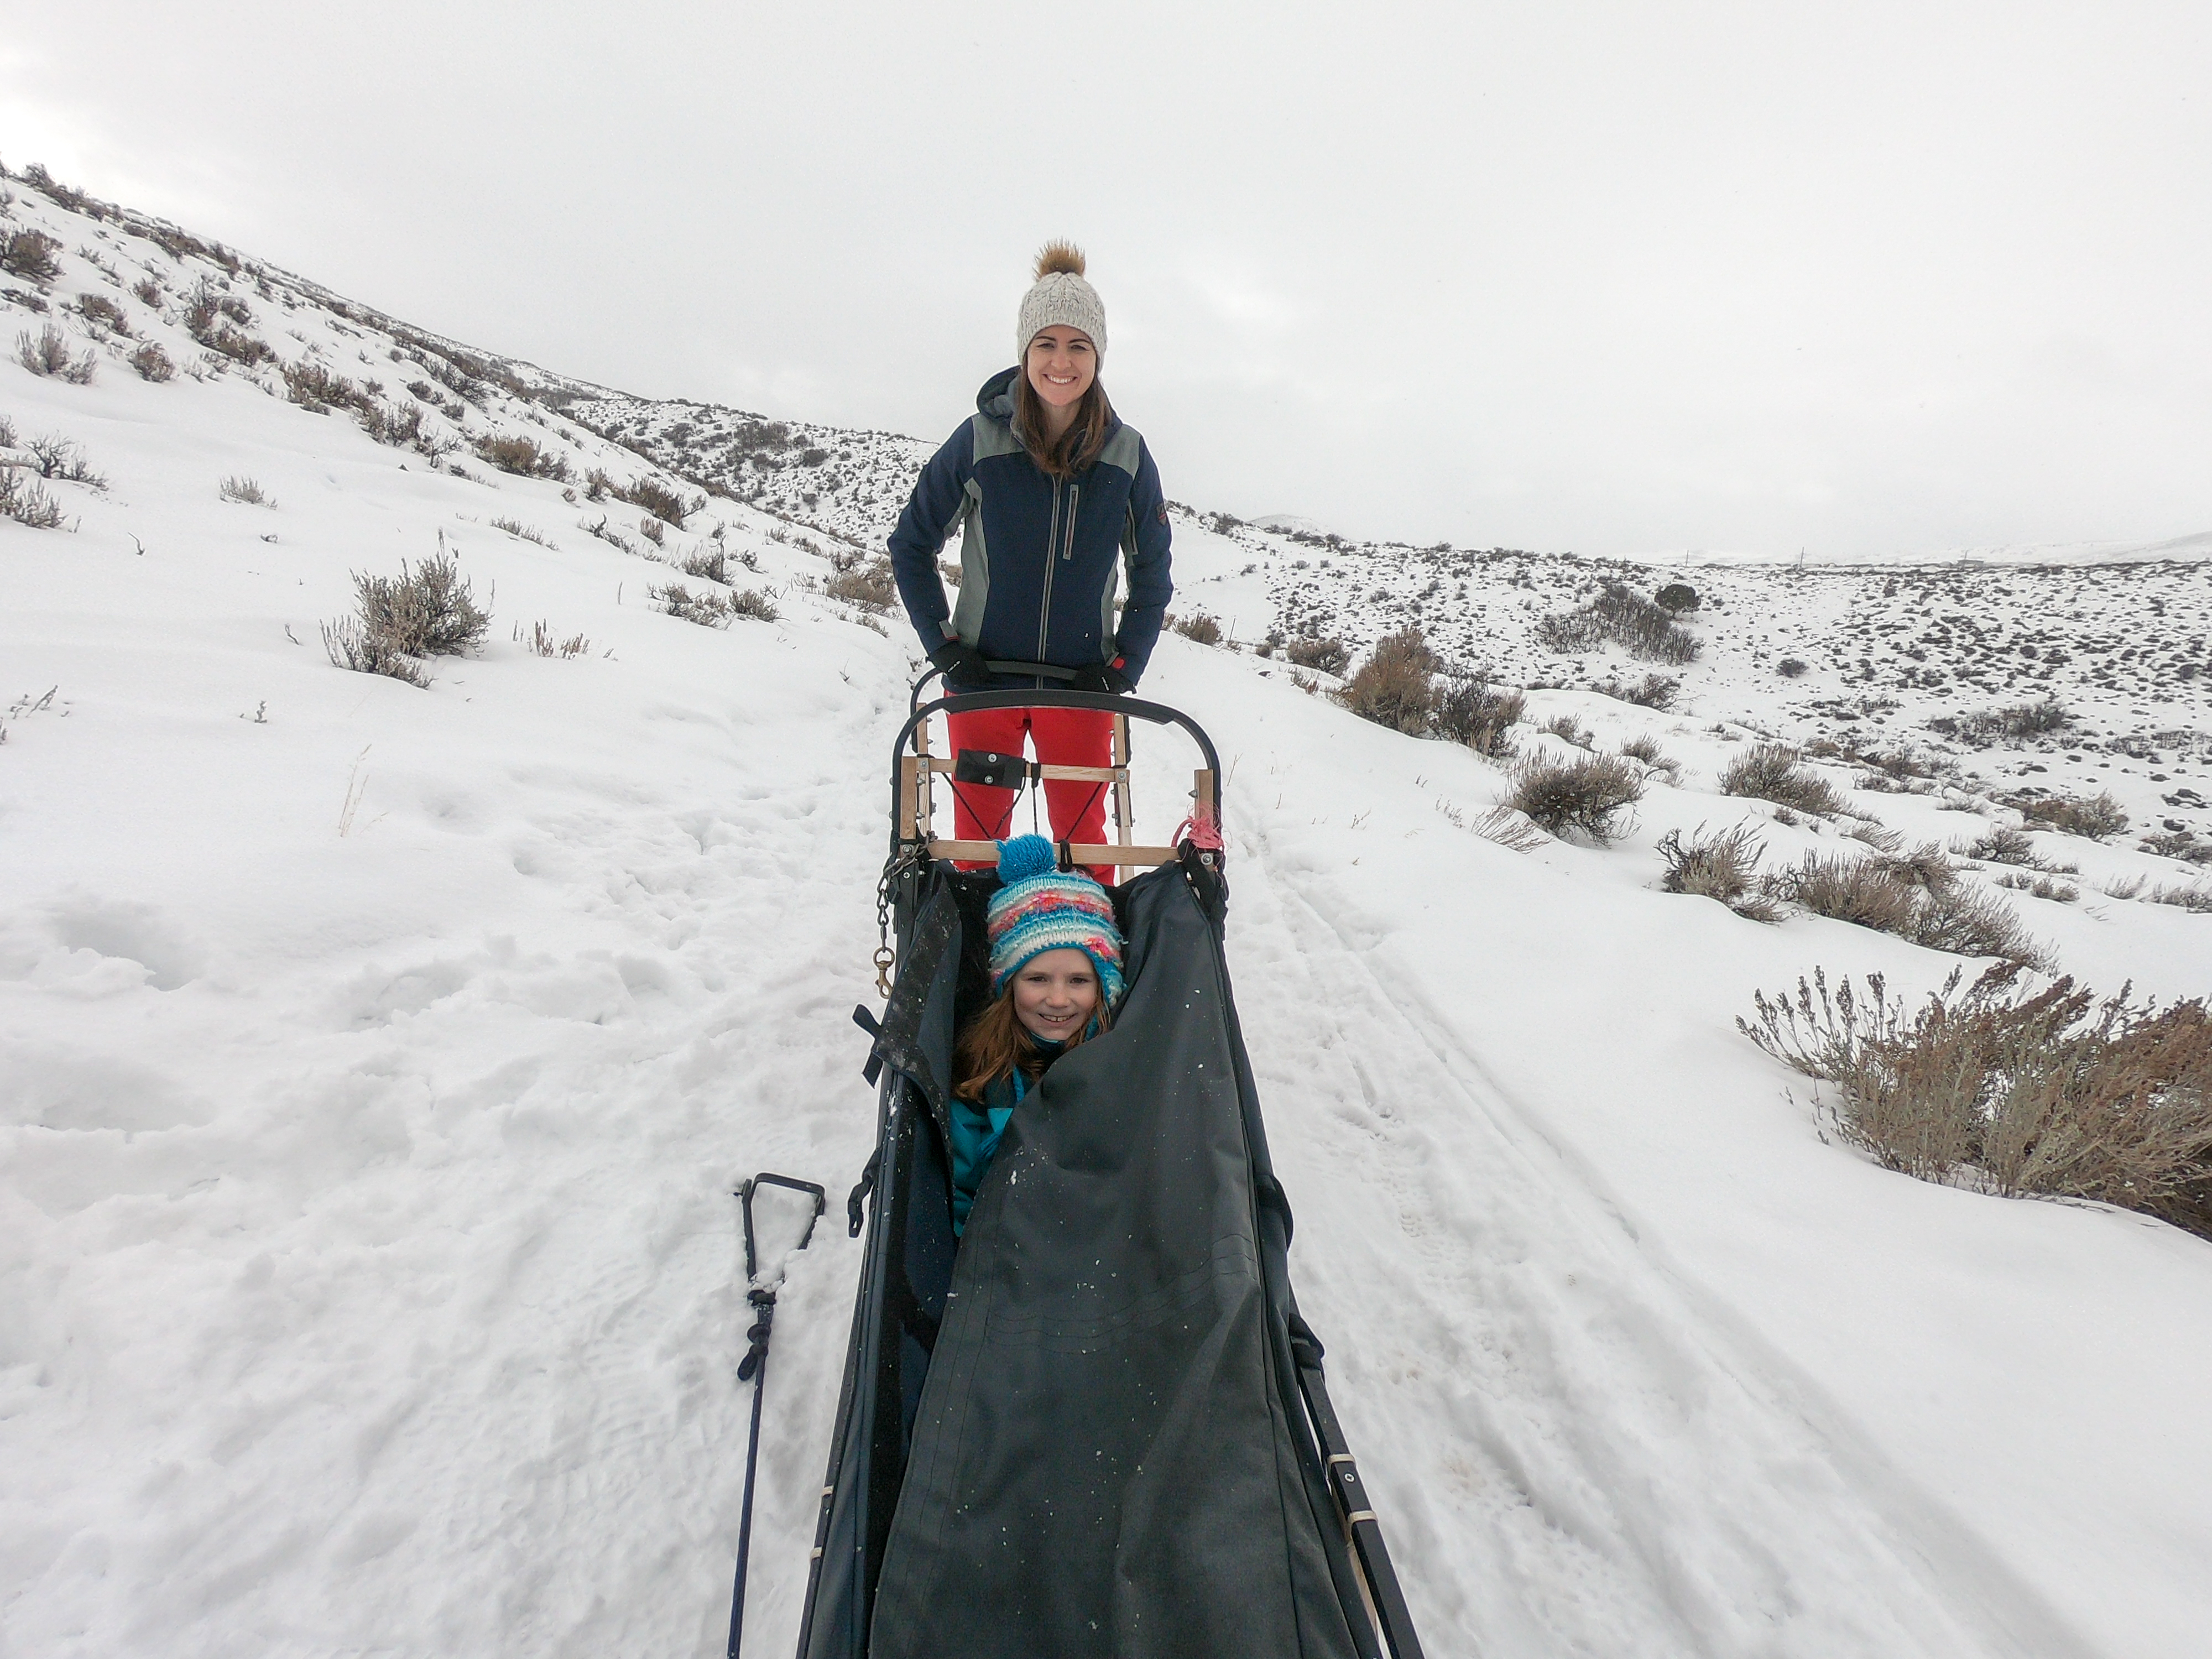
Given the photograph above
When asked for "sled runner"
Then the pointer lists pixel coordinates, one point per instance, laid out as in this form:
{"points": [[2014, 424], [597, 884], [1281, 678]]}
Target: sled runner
{"points": [[1095, 1425]]}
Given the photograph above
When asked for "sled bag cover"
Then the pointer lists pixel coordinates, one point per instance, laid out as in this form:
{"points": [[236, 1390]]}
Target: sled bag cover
{"points": [[1109, 1456]]}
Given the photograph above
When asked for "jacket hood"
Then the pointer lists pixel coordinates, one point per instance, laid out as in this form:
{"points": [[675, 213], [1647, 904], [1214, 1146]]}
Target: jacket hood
{"points": [[996, 399]]}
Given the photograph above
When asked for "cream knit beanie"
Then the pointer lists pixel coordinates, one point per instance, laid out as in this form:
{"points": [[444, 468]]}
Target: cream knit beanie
{"points": [[1060, 295]]}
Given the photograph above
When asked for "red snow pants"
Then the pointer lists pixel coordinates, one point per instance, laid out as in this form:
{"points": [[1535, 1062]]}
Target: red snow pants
{"points": [[1059, 736]]}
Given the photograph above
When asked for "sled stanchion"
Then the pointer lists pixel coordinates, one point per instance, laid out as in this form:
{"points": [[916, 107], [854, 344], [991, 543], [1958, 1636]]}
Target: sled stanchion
{"points": [[753, 1367], [1121, 808]]}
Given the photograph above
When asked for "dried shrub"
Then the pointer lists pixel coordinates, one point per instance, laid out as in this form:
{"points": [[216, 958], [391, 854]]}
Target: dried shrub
{"points": [[1509, 829], [1626, 617], [523, 457], [1469, 711], [1319, 656], [540, 642], [1570, 633], [314, 388], [1926, 865], [98, 309], [2042, 887], [654, 497], [1199, 628], [1770, 771], [2097, 818], [1858, 890], [1652, 691], [754, 602], [612, 538], [652, 530], [2014, 1092], [149, 291], [28, 502], [354, 647], [245, 490], [2198, 899], [1969, 923], [527, 532], [2178, 844], [2003, 845], [1587, 795], [47, 353], [870, 587], [153, 363], [61, 459], [2015, 724], [204, 315], [1395, 686], [2126, 887], [405, 427], [1646, 749], [706, 566], [428, 609], [1568, 729], [1920, 901], [707, 609], [1722, 866], [29, 254]]}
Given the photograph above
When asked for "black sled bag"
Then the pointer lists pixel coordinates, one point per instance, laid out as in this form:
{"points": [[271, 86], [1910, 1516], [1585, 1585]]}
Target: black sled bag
{"points": [[1078, 1430]]}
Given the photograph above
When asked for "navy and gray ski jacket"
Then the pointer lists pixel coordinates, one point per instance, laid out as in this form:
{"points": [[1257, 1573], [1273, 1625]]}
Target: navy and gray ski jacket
{"points": [[1040, 556]]}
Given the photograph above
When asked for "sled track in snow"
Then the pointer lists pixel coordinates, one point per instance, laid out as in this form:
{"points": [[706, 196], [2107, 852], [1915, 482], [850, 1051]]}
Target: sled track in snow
{"points": [[1623, 1476]]}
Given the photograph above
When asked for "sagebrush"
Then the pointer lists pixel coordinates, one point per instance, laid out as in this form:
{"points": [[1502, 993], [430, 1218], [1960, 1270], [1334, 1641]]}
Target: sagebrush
{"points": [[1724, 865], [1586, 795], [1396, 685], [2014, 1090], [1770, 771], [428, 609]]}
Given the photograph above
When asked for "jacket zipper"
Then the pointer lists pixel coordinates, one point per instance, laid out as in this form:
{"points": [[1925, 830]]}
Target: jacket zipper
{"points": [[1051, 544]]}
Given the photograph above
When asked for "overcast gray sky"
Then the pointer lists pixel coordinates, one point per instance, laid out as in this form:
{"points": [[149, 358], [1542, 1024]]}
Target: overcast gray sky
{"points": [[1859, 277]]}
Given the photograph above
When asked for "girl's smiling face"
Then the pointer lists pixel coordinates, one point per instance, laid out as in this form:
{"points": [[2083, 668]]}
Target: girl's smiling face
{"points": [[1062, 363], [1055, 994]]}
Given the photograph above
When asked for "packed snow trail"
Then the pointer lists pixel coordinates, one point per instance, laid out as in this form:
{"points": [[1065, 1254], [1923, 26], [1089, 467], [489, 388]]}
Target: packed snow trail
{"points": [[1617, 1482]]}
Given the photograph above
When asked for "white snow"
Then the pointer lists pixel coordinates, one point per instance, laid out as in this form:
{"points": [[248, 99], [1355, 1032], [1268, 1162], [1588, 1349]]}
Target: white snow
{"points": [[376, 1064]]}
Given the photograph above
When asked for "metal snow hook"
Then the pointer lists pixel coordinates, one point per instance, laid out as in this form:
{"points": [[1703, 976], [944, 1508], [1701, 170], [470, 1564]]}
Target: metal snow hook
{"points": [[753, 1368]]}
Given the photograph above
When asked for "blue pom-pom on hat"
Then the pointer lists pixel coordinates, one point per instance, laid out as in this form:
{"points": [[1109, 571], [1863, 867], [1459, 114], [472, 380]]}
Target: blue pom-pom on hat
{"points": [[1039, 907], [1025, 856]]}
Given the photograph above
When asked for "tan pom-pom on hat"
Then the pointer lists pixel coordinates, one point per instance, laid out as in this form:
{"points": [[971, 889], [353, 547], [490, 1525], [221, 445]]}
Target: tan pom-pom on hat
{"points": [[1061, 296]]}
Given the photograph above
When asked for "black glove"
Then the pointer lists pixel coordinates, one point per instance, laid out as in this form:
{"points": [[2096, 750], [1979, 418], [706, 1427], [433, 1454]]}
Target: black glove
{"points": [[1102, 677], [961, 664]]}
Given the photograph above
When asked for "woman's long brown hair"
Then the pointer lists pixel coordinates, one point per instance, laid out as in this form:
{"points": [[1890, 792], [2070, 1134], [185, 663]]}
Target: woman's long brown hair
{"points": [[996, 1041], [1075, 448]]}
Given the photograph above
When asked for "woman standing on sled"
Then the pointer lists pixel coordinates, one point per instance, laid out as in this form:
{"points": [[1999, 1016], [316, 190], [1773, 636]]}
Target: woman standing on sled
{"points": [[1052, 494]]}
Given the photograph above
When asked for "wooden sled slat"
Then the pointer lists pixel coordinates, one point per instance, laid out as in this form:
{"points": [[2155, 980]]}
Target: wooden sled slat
{"points": [[1082, 852]]}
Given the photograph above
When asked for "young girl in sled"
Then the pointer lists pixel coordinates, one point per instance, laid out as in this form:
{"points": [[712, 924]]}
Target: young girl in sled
{"points": [[1056, 977], [1052, 494]]}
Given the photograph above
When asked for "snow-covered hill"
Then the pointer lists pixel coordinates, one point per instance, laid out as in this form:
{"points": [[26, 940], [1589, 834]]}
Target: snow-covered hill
{"points": [[1889, 658], [376, 1060]]}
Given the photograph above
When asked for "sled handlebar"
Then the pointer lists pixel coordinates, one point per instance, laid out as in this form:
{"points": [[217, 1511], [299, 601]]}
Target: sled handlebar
{"points": [[1035, 670]]}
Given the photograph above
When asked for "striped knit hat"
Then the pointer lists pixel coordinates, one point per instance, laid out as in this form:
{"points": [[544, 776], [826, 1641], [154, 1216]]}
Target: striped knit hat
{"points": [[1040, 907]]}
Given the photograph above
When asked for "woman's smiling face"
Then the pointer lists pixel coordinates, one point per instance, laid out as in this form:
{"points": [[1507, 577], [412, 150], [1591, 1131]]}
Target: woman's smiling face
{"points": [[1055, 994], [1062, 363]]}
